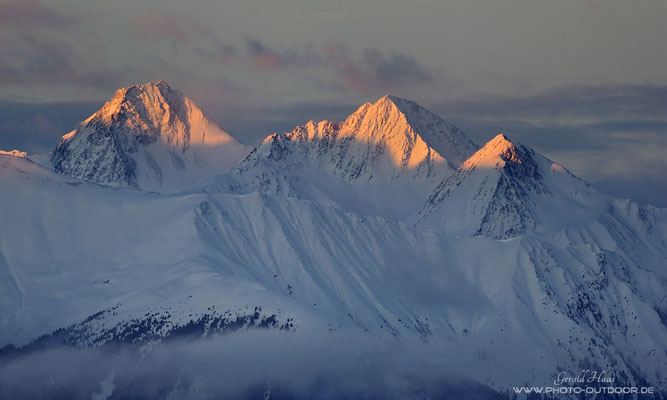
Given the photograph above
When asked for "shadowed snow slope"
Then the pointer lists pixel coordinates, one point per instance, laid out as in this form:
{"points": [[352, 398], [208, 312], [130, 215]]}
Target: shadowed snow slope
{"points": [[148, 137], [390, 224], [383, 159], [115, 265], [506, 189]]}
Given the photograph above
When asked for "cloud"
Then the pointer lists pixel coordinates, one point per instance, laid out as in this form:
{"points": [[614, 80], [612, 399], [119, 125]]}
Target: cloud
{"points": [[268, 59], [37, 127], [223, 53], [30, 13], [340, 69], [159, 25], [375, 70], [250, 364], [613, 136], [574, 102], [36, 49], [29, 60]]}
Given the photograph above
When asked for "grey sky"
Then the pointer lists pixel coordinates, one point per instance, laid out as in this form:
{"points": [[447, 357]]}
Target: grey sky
{"points": [[582, 81]]}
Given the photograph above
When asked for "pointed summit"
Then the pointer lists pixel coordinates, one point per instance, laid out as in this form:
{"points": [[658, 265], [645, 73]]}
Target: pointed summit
{"points": [[390, 142], [398, 120], [398, 134], [154, 105], [500, 144], [150, 137], [504, 190], [405, 106], [499, 152]]}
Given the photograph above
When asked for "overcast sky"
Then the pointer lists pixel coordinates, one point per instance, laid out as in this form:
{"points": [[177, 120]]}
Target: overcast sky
{"points": [[582, 81]]}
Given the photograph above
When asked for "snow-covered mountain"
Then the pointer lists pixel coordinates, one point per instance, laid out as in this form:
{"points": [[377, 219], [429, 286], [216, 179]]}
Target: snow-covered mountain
{"points": [[149, 137], [382, 160], [506, 189], [508, 266]]}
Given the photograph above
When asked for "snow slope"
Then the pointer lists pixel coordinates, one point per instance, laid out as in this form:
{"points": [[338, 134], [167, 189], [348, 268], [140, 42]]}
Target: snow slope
{"points": [[382, 160], [504, 261], [136, 266], [506, 189], [149, 137]]}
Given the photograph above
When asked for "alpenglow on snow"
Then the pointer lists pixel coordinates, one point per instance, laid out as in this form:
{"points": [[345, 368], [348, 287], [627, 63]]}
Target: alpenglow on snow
{"points": [[391, 224], [149, 137]]}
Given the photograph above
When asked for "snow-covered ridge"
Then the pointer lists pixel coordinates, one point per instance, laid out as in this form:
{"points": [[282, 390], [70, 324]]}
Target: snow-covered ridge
{"points": [[392, 146], [150, 137], [500, 152], [514, 268], [395, 134], [506, 189], [446, 138], [592, 290]]}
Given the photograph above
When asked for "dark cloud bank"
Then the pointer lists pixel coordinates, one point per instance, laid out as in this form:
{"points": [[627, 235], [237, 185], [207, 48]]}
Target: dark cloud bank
{"points": [[37, 127], [246, 365], [372, 69]]}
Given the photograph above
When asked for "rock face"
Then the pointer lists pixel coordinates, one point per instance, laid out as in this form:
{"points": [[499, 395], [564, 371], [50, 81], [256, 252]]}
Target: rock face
{"points": [[390, 224], [506, 189], [387, 140], [382, 160], [148, 137]]}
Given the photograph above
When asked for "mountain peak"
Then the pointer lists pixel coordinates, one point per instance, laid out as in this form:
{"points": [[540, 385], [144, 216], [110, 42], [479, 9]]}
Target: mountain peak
{"points": [[160, 87], [390, 143], [396, 100], [146, 95], [503, 144], [396, 108], [390, 106], [399, 122], [498, 153], [500, 140], [406, 136], [147, 136], [407, 108], [390, 99], [504, 190]]}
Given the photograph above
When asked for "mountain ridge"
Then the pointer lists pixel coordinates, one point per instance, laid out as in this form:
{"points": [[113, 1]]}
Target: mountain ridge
{"points": [[149, 137], [507, 262], [506, 189], [540, 298], [378, 149]]}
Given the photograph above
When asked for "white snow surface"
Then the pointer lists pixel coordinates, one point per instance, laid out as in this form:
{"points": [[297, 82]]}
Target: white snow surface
{"points": [[505, 189], [389, 224], [149, 137], [382, 160]]}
